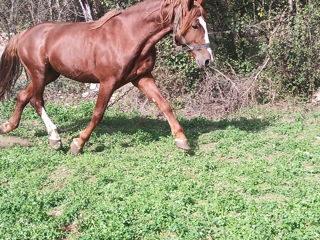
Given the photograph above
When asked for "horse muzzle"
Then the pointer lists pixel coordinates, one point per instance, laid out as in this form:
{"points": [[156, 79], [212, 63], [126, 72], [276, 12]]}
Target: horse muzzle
{"points": [[203, 58]]}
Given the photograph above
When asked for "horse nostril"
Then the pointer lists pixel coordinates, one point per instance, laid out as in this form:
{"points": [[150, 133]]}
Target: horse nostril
{"points": [[207, 62]]}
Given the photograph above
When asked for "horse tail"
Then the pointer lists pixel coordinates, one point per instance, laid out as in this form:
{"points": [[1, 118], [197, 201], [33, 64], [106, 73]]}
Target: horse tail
{"points": [[10, 68]]}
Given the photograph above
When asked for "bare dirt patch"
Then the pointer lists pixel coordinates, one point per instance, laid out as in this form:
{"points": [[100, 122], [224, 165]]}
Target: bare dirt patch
{"points": [[231, 160], [190, 172], [56, 211], [59, 177], [72, 230], [168, 235], [92, 179], [208, 147], [9, 141], [271, 197], [310, 168]]}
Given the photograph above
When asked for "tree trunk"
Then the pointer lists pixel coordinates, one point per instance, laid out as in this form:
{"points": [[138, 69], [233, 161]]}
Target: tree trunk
{"points": [[290, 5], [87, 13], [86, 10], [50, 9]]}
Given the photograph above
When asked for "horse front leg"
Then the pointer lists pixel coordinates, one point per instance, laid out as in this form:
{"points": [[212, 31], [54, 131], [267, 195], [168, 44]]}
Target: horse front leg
{"points": [[105, 92], [148, 87]]}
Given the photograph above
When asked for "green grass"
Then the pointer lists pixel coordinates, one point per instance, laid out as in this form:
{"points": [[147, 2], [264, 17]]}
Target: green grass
{"points": [[254, 176]]}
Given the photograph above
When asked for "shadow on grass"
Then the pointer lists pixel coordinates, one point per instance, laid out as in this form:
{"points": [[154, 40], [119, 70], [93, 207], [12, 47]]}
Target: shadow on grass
{"points": [[198, 126], [157, 128]]}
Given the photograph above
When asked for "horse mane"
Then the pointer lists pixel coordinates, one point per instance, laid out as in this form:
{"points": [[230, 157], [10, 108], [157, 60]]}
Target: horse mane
{"points": [[187, 16], [166, 16], [105, 18]]}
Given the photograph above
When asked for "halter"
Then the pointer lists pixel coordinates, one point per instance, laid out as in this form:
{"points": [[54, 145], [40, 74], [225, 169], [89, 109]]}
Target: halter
{"points": [[176, 30]]}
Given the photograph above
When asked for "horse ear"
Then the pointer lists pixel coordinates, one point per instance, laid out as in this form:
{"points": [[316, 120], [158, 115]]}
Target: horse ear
{"points": [[190, 4]]}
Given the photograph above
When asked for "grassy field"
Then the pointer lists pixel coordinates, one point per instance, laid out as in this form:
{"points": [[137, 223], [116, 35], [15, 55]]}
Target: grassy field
{"points": [[253, 176]]}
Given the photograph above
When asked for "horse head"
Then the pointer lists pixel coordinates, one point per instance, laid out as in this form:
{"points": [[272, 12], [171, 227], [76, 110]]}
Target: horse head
{"points": [[190, 31]]}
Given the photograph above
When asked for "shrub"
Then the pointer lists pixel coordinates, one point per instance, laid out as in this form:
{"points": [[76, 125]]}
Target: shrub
{"points": [[295, 53]]}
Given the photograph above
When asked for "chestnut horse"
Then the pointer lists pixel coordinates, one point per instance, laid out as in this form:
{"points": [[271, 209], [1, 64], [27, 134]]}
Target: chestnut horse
{"points": [[116, 49]]}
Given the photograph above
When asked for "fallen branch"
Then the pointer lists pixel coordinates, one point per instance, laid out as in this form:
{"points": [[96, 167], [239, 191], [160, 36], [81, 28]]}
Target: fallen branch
{"points": [[122, 96], [227, 78]]}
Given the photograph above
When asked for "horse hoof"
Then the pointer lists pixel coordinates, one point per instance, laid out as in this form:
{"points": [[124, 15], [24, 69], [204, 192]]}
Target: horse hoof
{"points": [[74, 148], [2, 131], [55, 144], [182, 144], [3, 128]]}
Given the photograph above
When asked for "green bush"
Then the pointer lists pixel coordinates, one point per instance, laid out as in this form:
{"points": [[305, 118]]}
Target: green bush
{"points": [[119, 4], [246, 32], [295, 54], [242, 34], [178, 69]]}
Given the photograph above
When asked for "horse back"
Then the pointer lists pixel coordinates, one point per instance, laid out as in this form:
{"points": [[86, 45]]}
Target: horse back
{"points": [[83, 53], [68, 48]]}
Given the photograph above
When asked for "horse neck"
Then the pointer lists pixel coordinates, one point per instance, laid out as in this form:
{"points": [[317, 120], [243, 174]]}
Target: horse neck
{"points": [[147, 17]]}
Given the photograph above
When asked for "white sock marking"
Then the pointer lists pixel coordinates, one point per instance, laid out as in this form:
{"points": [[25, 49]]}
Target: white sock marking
{"points": [[206, 35], [51, 128], [75, 142]]}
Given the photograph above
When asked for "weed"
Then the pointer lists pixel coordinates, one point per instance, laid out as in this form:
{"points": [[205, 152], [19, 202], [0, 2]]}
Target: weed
{"points": [[247, 178]]}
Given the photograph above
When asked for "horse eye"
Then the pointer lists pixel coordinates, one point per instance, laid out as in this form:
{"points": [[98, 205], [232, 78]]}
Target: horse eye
{"points": [[195, 27]]}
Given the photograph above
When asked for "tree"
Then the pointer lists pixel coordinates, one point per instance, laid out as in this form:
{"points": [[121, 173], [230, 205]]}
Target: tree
{"points": [[86, 9]]}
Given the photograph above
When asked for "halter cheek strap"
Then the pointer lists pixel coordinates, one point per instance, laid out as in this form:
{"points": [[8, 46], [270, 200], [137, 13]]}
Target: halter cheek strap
{"points": [[176, 31]]}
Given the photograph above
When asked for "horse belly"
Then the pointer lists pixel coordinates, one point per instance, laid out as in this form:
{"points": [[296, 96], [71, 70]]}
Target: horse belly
{"points": [[76, 70], [71, 55]]}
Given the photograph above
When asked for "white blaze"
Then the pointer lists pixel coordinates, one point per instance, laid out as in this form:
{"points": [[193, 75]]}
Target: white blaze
{"points": [[51, 128], [206, 35]]}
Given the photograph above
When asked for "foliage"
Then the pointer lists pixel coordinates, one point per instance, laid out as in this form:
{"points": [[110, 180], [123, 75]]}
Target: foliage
{"points": [[119, 4], [286, 31], [295, 52], [176, 71], [17, 15], [243, 34], [255, 176]]}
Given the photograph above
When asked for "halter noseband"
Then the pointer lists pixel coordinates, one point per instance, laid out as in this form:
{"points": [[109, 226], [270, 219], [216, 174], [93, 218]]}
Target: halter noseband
{"points": [[176, 30]]}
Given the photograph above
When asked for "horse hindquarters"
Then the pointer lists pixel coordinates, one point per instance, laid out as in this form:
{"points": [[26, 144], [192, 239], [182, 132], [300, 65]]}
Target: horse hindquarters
{"points": [[12, 60], [10, 71], [10, 68]]}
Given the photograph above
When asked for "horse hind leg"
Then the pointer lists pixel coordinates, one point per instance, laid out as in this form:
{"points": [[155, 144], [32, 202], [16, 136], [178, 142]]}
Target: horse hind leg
{"points": [[23, 98], [54, 138], [33, 93], [37, 102], [40, 81]]}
